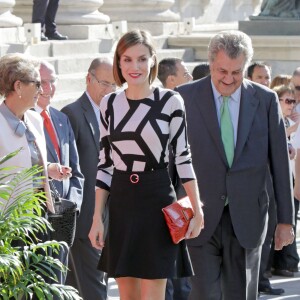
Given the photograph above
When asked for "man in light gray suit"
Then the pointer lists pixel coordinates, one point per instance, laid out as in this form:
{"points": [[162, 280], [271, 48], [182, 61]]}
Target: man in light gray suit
{"points": [[66, 154], [235, 129], [84, 115]]}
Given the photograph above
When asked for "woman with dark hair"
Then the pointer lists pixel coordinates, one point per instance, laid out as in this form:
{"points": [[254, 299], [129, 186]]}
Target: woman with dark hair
{"points": [[137, 126]]}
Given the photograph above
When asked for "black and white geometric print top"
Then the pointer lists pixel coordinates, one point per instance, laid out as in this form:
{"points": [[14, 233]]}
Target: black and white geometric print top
{"points": [[135, 135]]}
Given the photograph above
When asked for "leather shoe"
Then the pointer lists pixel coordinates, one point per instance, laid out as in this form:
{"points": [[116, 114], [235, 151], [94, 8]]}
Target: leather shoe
{"points": [[268, 274], [43, 37], [56, 36], [284, 273], [270, 291], [294, 269]]}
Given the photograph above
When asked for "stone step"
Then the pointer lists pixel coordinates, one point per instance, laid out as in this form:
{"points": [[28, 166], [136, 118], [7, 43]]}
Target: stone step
{"points": [[280, 52], [215, 28], [74, 63], [65, 48], [62, 99], [60, 48], [80, 63], [198, 42], [72, 58], [186, 54], [71, 83]]}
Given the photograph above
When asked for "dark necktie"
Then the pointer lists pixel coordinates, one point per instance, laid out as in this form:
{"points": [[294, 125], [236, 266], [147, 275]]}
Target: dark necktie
{"points": [[49, 127]]}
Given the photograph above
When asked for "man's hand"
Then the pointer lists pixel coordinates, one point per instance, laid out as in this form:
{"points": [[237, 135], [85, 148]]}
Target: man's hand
{"points": [[284, 235], [292, 152], [59, 172]]}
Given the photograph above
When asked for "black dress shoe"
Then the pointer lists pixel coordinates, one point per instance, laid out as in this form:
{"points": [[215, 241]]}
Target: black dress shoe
{"points": [[294, 269], [43, 37], [270, 291], [56, 36], [268, 274], [284, 273]]}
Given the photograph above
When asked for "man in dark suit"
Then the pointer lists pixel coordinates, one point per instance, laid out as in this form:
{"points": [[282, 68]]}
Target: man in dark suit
{"points": [[84, 115], [260, 72], [61, 148], [44, 12], [235, 129], [172, 72]]}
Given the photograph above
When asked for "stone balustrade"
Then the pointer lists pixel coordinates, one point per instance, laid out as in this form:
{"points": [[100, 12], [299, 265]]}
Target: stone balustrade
{"points": [[7, 19], [90, 12]]}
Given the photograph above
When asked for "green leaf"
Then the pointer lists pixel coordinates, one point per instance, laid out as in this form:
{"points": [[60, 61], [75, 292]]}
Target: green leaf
{"points": [[21, 265]]}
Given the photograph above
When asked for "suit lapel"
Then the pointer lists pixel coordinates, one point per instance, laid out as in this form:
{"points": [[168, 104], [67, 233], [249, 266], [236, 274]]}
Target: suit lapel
{"points": [[209, 114], [248, 108], [91, 120]]}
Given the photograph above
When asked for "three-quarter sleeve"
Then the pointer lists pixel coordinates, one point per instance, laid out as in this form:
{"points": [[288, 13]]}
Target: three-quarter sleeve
{"points": [[105, 165], [179, 141]]}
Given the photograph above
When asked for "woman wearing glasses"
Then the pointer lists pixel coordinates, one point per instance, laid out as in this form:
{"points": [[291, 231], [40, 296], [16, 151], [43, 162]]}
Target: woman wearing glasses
{"points": [[287, 102], [21, 127], [285, 261]]}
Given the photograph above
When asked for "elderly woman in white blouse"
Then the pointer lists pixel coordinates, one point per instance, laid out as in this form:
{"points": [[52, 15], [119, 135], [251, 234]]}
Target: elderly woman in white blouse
{"points": [[20, 126]]}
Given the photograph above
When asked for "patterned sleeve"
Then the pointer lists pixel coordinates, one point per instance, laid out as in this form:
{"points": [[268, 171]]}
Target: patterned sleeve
{"points": [[105, 165], [179, 142]]}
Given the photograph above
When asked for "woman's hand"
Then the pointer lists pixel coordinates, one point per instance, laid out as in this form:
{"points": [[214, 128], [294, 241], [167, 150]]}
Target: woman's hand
{"points": [[59, 172], [96, 234], [196, 225]]}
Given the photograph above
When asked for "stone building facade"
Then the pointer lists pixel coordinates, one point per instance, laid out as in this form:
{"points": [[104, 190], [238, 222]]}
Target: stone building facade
{"points": [[73, 12]]}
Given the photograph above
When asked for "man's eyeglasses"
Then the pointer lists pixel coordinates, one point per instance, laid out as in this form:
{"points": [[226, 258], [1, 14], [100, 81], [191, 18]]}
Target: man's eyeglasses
{"points": [[50, 81], [187, 75], [36, 82], [297, 87], [105, 84], [288, 101]]}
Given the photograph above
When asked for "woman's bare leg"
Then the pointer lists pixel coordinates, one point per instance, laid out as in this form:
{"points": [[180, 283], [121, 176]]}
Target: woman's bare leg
{"points": [[153, 289], [129, 288]]}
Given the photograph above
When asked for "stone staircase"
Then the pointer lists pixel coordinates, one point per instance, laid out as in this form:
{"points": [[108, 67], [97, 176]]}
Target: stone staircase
{"points": [[72, 58]]}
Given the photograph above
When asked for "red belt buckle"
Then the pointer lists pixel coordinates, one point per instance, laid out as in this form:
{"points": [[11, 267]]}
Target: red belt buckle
{"points": [[134, 178]]}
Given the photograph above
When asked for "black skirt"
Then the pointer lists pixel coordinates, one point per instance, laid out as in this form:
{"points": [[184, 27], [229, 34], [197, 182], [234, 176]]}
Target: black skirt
{"points": [[138, 243]]}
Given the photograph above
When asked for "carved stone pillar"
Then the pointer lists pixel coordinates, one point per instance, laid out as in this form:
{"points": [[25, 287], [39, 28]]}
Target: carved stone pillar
{"points": [[79, 12], [23, 9], [140, 10], [7, 19]]}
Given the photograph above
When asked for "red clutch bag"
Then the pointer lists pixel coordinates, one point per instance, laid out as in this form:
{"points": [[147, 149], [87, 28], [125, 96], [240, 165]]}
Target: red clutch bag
{"points": [[178, 216]]}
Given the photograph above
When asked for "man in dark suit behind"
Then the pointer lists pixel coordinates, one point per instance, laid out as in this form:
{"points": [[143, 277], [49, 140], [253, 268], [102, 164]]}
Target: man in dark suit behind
{"points": [[172, 72], [235, 128], [66, 154], [84, 115], [44, 12]]}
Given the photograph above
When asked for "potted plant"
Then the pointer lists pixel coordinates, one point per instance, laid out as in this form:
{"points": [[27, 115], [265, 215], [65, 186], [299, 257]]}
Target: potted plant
{"points": [[23, 259]]}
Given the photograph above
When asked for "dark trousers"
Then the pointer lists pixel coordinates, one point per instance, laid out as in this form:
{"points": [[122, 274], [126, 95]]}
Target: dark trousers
{"points": [[62, 256], [267, 245], [83, 273], [288, 257], [44, 12], [223, 268], [178, 289]]}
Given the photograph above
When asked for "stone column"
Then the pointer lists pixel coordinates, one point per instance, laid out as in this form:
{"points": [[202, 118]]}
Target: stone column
{"points": [[80, 12], [140, 10], [23, 9], [7, 19]]}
